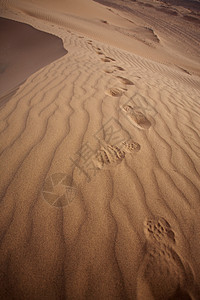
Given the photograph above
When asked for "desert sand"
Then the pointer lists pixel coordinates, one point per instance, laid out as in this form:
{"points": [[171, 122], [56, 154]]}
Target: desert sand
{"points": [[24, 50], [100, 151]]}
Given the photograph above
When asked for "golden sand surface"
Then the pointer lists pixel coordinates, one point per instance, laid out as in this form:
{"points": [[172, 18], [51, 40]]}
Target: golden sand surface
{"points": [[100, 154]]}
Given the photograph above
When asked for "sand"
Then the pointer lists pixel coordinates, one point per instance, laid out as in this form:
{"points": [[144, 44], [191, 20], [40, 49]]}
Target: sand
{"points": [[24, 50], [100, 154]]}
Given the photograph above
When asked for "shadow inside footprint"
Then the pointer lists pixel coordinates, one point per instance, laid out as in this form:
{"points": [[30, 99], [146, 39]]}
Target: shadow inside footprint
{"points": [[99, 53], [105, 60], [137, 117], [114, 92], [119, 68], [96, 48], [125, 80], [104, 21], [109, 71], [110, 58]]}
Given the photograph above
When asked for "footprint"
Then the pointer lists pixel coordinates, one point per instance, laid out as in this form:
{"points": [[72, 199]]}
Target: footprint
{"points": [[130, 147], [163, 274], [114, 92], [112, 59], [108, 155], [119, 68], [109, 71], [99, 52], [115, 68], [159, 230], [105, 59], [125, 80], [137, 117], [104, 21], [96, 48]]}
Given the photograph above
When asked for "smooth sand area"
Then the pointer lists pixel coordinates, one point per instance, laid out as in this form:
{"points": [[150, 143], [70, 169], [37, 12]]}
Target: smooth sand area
{"points": [[100, 151]]}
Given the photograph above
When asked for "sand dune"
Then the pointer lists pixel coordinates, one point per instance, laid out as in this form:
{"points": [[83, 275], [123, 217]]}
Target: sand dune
{"points": [[24, 50], [100, 161]]}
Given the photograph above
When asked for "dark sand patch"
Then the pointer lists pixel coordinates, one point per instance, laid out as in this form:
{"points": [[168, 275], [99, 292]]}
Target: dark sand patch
{"points": [[167, 11], [191, 4], [191, 19], [24, 50], [5, 98]]}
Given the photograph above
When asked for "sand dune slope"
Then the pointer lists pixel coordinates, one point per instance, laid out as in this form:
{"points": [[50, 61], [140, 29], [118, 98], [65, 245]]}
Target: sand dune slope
{"points": [[24, 50], [100, 177]]}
